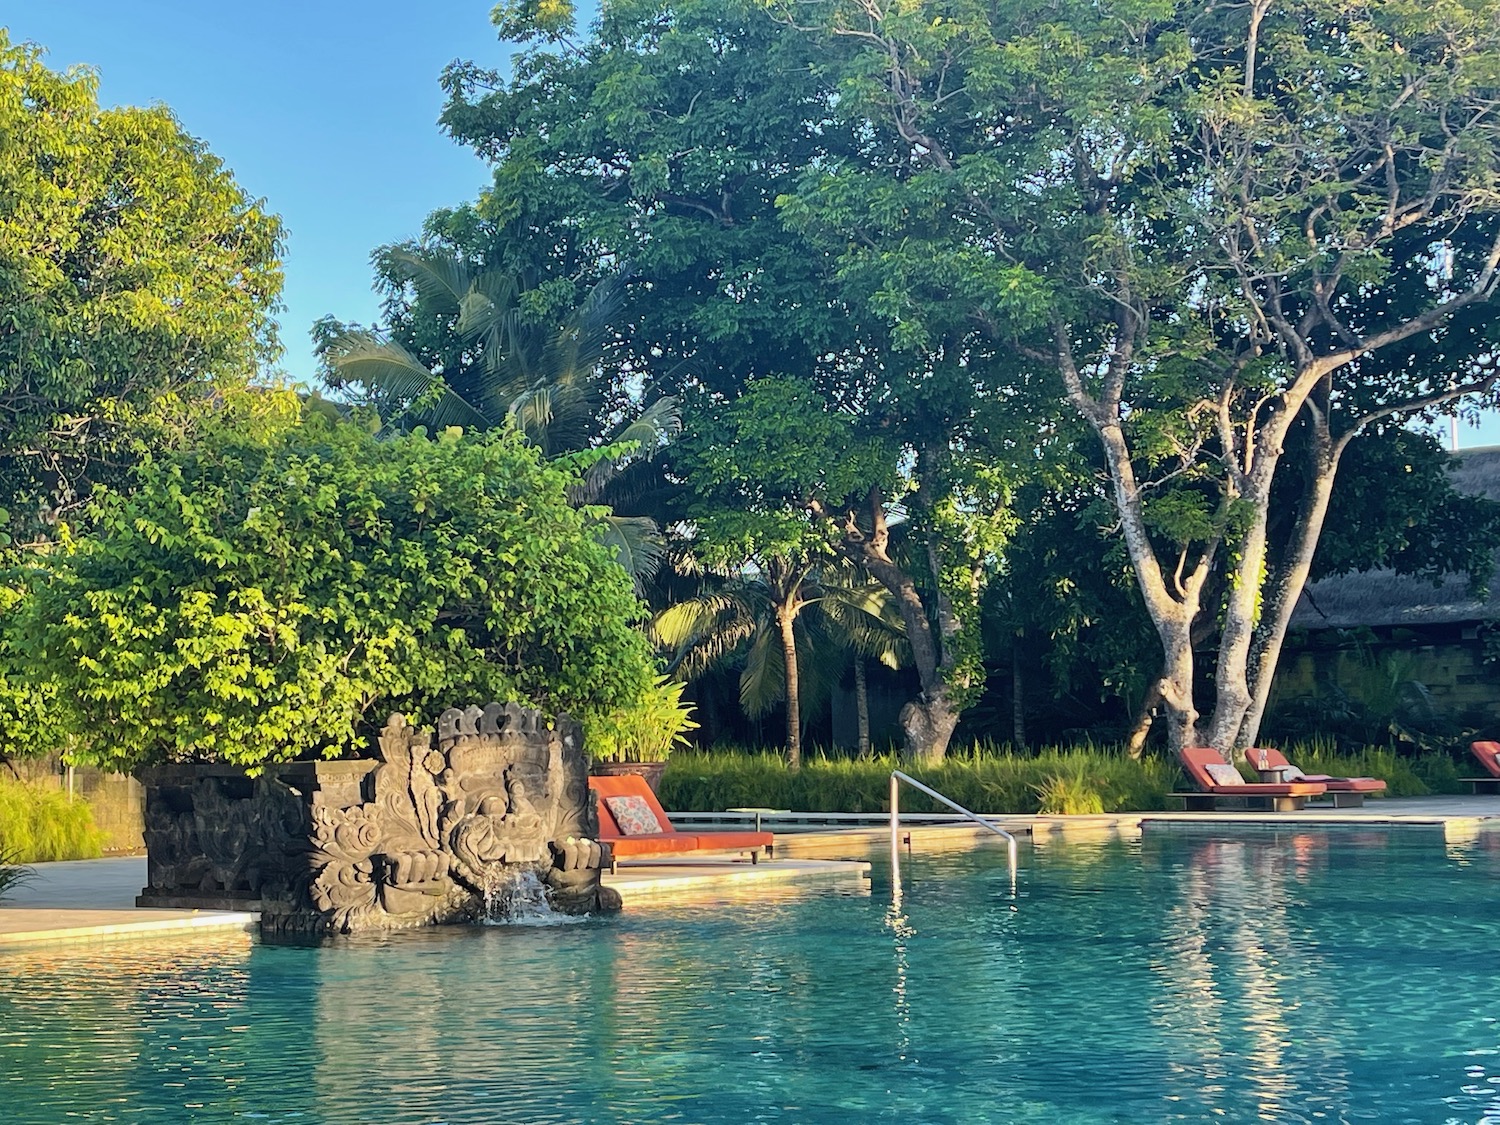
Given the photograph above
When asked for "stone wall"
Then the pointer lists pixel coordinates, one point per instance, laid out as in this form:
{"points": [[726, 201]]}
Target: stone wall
{"points": [[430, 831], [1464, 690]]}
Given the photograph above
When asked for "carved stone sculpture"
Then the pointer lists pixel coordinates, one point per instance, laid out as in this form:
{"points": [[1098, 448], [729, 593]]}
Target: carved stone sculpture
{"points": [[427, 833]]}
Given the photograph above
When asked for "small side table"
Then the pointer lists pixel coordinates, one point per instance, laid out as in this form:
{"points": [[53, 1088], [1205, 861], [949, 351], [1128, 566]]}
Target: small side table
{"points": [[1273, 774], [759, 812]]}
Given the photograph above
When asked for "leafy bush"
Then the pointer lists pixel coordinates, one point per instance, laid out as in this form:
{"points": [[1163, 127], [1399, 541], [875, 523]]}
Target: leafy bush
{"points": [[276, 590], [39, 824], [986, 780], [647, 731]]}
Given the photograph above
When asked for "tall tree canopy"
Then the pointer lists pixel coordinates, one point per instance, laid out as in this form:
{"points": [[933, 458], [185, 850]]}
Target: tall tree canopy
{"points": [[134, 272], [1228, 238], [657, 145]]}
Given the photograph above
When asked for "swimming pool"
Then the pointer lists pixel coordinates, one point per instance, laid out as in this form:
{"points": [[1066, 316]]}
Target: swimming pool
{"points": [[1312, 976]]}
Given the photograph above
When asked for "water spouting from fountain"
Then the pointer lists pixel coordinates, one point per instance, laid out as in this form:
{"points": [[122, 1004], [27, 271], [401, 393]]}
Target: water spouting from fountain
{"points": [[519, 898]]}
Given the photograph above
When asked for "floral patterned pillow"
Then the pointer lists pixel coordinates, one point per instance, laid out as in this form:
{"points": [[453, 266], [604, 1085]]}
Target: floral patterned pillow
{"points": [[1222, 773], [633, 815]]}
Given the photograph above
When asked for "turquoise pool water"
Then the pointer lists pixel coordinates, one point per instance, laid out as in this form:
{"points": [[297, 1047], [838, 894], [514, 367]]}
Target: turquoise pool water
{"points": [[1316, 976]]}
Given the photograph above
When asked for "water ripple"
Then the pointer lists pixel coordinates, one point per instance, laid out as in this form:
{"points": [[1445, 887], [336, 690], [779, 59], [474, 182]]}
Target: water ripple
{"points": [[1285, 977]]}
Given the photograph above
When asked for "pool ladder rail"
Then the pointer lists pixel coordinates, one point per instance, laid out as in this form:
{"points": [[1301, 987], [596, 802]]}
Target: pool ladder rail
{"points": [[897, 777]]}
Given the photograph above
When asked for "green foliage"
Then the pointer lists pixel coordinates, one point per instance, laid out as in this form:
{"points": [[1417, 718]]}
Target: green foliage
{"points": [[134, 272], [665, 136], [648, 730], [1370, 696], [276, 590], [12, 874], [1405, 775], [1069, 792], [1180, 224], [986, 780], [39, 824], [1394, 505]]}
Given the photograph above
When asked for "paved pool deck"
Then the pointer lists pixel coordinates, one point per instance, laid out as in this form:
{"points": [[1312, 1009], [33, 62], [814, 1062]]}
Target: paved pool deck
{"points": [[94, 900]]}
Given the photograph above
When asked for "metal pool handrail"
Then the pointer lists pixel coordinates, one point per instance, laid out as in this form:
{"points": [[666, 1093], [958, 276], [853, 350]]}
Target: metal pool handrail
{"points": [[896, 778]]}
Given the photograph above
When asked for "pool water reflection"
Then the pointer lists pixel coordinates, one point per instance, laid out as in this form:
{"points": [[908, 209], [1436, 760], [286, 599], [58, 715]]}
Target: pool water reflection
{"points": [[1313, 976]]}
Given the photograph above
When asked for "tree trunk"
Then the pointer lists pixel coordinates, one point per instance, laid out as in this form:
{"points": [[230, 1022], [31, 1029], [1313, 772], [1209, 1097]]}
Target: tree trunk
{"points": [[1286, 586], [927, 725], [1145, 716], [862, 705], [932, 714], [1017, 698], [1231, 676], [785, 619]]}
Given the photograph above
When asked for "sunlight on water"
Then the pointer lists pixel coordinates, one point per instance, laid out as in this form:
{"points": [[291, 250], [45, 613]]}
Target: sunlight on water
{"points": [[1339, 976]]}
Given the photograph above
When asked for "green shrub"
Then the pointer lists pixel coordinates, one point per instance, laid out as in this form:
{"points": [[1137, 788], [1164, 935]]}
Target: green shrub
{"points": [[279, 588], [1068, 793], [39, 824], [984, 779], [648, 731]]}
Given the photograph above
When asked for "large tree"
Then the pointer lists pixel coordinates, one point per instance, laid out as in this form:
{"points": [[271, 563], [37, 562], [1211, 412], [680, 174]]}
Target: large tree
{"points": [[659, 141], [1229, 238], [134, 273]]}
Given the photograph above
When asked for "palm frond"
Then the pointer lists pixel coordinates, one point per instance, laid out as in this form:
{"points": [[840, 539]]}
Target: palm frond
{"points": [[705, 631], [441, 279], [394, 375], [652, 430], [638, 545], [763, 679]]}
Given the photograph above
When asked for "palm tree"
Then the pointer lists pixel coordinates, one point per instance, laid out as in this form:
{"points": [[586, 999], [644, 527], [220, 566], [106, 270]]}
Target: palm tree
{"points": [[757, 614], [870, 630], [512, 369]]}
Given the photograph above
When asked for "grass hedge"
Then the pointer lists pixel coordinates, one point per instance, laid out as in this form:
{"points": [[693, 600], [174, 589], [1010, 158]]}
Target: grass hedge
{"points": [[38, 824], [991, 779]]}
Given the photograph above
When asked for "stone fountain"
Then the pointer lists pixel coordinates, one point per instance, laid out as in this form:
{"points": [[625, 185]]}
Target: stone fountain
{"points": [[431, 831]]}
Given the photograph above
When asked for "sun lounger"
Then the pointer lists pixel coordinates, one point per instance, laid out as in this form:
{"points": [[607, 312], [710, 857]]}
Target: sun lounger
{"points": [[1201, 762], [1346, 792], [1488, 754], [627, 825]]}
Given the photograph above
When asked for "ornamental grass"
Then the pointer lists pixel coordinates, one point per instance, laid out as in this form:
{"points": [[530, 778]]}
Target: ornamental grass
{"points": [[39, 824], [994, 779]]}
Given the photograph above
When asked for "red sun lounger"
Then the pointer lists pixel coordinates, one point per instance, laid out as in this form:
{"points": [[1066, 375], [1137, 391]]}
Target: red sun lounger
{"points": [[1202, 763], [1347, 792], [628, 835], [1488, 754]]}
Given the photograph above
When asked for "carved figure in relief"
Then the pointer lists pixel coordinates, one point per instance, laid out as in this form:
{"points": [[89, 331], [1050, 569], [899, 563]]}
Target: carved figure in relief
{"points": [[499, 791]]}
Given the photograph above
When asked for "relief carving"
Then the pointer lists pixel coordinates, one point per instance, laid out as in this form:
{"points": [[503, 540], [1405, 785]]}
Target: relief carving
{"points": [[428, 835]]}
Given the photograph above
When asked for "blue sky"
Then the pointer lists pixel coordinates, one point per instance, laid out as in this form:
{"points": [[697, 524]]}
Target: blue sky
{"points": [[327, 108]]}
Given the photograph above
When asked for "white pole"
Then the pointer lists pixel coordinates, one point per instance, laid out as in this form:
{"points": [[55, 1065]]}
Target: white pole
{"points": [[895, 836]]}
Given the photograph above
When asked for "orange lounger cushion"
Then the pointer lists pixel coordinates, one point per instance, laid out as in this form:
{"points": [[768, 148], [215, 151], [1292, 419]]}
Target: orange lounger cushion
{"points": [[1277, 760], [669, 841], [1196, 759], [657, 843]]}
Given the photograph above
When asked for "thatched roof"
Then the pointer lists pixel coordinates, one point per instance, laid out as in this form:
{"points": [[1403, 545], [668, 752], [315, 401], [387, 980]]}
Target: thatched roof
{"points": [[1382, 597]]}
